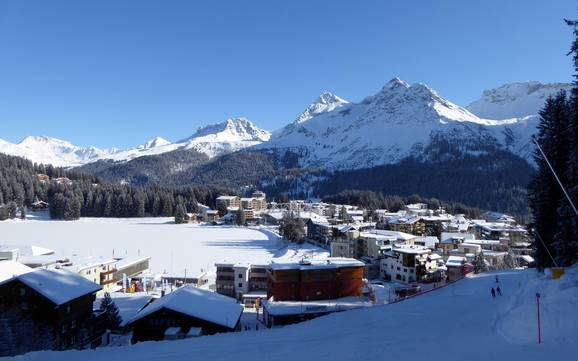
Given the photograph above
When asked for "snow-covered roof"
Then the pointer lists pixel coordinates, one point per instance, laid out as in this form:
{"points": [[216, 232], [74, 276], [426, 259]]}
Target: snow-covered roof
{"points": [[9, 269], [128, 304], [455, 261], [330, 262], [58, 285], [278, 308], [407, 249], [198, 303], [228, 198]]}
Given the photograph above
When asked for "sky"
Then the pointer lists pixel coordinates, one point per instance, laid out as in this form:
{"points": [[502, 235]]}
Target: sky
{"points": [[117, 73]]}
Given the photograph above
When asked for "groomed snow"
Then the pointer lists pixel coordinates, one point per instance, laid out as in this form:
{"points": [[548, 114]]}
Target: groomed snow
{"points": [[455, 323], [172, 248]]}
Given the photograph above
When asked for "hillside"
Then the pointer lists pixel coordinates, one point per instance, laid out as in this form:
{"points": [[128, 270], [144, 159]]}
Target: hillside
{"points": [[458, 322]]}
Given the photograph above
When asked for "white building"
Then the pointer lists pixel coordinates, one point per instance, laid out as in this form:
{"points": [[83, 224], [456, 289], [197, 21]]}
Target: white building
{"points": [[409, 264]]}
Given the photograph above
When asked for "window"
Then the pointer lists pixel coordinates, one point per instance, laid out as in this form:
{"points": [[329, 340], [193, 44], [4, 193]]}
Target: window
{"points": [[22, 291], [240, 284], [68, 309], [240, 275], [73, 324]]}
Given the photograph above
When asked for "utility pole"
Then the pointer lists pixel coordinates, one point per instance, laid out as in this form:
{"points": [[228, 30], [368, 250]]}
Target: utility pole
{"points": [[539, 326]]}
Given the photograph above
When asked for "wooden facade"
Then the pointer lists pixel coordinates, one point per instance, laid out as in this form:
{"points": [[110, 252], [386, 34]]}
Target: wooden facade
{"points": [[59, 327], [153, 326]]}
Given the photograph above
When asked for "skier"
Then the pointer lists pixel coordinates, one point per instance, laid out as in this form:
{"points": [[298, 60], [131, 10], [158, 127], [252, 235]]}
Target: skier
{"points": [[499, 291], [493, 293], [497, 281]]}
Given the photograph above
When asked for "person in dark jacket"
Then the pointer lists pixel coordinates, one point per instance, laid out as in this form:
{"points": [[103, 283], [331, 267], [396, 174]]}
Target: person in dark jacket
{"points": [[493, 293], [499, 291]]}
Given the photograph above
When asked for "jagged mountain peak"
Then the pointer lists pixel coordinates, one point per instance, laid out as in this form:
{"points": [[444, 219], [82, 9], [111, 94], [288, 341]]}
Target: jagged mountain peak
{"points": [[155, 142], [234, 129], [326, 102]]}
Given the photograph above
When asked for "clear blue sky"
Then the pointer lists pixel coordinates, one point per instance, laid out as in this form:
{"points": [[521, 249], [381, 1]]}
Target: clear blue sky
{"points": [[116, 73]]}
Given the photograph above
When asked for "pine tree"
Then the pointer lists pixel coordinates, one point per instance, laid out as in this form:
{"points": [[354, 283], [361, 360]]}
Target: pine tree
{"points": [[113, 318], [180, 214], [480, 264], [240, 217], [544, 192]]}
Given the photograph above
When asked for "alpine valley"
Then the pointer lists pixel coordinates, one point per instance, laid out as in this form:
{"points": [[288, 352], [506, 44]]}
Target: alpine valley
{"points": [[405, 139]]}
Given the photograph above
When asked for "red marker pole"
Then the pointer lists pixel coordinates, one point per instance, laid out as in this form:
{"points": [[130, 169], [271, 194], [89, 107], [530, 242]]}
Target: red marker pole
{"points": [[538, 304]]}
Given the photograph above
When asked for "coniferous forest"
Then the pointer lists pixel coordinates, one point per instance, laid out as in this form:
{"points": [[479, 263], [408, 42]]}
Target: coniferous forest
{"points": [[72, 195], [555, 223]]}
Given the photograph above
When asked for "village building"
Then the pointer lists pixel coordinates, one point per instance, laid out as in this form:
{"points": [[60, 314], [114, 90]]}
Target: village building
{"points": [[53, 308], [210, 215], [300, 290], [189, 309], [310, 280], [245, 282], [412, 225], [97, 270], [409, 264], [228, 201]]}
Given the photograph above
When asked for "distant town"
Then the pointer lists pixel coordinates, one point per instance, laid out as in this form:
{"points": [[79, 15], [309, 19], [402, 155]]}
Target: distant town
{"points": [[371, 257]]}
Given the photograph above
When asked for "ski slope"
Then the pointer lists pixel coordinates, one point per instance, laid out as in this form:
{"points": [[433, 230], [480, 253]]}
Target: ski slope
{"points": [[458, 322]]}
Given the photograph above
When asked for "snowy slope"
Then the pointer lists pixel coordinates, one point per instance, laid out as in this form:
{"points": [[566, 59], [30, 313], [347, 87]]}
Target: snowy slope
{"points": [[515, 100], [399, 121], [213, 140], [458, 322], [522, 101]]}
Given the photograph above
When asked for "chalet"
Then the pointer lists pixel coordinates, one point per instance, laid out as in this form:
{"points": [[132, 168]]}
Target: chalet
{"points": [[210, 215], [49, 309], [499, 231], [186, 308], [412, 225]]}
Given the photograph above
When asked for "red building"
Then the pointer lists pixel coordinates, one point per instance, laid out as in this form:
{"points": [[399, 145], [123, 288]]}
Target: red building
{"points": [[316, 280]]}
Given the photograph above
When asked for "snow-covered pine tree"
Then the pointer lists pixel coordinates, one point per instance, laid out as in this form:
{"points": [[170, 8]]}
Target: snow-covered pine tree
{"points": [[180, 213], [544, 192], [566, 239], [113, 318]]}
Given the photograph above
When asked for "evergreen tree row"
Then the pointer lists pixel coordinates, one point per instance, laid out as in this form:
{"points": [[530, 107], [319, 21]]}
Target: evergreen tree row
{"points": [[555, 224], [81, 195]]}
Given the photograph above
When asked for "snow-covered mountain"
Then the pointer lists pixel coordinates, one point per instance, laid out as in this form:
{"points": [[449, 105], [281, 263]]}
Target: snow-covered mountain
{"points": [[228, 136], [212, 140], [400, 120], [515, 100], [54, 151]]}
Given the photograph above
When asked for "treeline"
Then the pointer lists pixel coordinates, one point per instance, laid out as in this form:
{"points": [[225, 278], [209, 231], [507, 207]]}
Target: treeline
{"points": [[82, 195], [376, 200], [555, 222], [495, 181]]}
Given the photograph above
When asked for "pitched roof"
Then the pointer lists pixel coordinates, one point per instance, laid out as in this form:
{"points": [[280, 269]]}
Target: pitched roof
{"points": [[58, 285], [9, 269], [198, 303]]}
